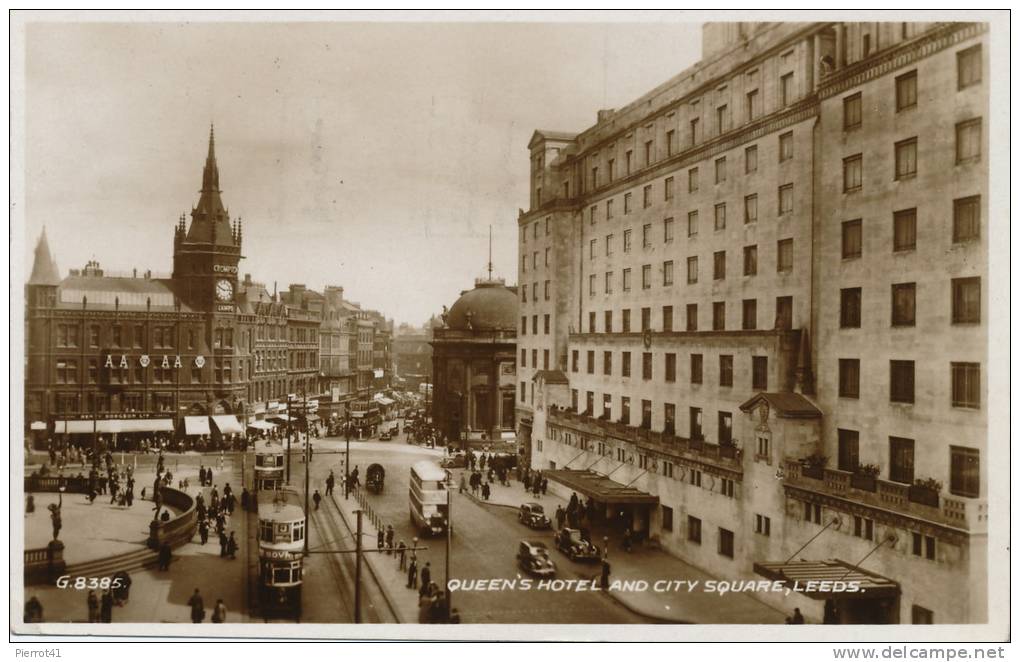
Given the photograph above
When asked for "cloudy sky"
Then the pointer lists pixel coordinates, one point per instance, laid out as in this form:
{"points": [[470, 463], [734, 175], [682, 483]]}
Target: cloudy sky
{"points": [[369, 155]]}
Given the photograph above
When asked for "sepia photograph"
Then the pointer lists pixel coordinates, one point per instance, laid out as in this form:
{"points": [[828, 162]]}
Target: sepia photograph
{"points": [[575, 326]]}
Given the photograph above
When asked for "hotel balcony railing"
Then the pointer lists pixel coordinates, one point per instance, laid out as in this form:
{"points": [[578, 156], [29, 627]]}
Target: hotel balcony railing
{"points": [[724, 456], [952, 511]]}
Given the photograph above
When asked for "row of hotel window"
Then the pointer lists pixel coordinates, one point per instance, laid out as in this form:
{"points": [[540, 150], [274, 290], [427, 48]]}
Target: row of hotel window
{"points": [[968, 150], [759, 367], [965, 382], [965, 303], [966, 227], [783, 317], [964, 462], [165, 337], [695, 421], [968, 73], [784, 264]]}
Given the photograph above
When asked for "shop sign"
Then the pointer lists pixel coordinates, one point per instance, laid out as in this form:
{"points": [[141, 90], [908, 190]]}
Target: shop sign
{"points": [[144, 360]]}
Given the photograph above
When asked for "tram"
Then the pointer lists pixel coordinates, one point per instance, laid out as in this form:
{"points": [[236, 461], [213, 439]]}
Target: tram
{"points": [[269, 466], [282, 530], [428, 497]]}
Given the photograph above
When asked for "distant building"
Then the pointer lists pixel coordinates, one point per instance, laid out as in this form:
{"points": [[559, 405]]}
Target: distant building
{"points": [[753, 313], [126, 356], [474, 367]]}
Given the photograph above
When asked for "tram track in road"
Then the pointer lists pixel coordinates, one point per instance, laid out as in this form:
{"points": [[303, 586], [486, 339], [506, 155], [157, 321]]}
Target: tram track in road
{"points": [[337, 535]]}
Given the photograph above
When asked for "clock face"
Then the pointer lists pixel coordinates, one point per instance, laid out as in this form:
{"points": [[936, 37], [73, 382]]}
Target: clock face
{"points": [[224, 290]]}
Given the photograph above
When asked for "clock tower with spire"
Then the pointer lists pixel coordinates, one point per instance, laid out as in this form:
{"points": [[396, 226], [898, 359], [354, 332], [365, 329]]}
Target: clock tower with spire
{"points": [[207, 253]]}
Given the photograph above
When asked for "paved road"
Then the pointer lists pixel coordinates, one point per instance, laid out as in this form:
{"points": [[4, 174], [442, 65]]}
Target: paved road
{"points": [[484, 544]]}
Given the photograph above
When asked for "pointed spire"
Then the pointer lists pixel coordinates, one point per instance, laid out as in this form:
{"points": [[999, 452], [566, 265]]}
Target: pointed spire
{"points": [[44, 270], [211, 174]]}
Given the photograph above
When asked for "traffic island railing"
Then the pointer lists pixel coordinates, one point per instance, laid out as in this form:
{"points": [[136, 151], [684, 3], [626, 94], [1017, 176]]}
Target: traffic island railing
{"points": [[178, 529]]}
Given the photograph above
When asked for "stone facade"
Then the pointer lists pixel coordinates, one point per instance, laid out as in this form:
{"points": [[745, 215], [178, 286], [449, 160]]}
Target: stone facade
{"points": [[704, 259]]}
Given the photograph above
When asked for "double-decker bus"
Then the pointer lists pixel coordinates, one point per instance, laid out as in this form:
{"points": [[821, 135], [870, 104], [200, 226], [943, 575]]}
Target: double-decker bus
{"points": [[282, 530], [428, 497]]}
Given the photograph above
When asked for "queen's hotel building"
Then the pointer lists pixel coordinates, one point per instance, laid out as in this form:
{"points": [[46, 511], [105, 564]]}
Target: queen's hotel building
{"points": [[753, 315]]}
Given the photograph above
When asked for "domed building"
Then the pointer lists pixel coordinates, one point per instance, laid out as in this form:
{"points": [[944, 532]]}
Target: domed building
{"points": [[474, 367]]}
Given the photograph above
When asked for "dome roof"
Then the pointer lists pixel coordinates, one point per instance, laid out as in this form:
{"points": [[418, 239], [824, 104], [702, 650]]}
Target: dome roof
{"points": [[490, 306]]}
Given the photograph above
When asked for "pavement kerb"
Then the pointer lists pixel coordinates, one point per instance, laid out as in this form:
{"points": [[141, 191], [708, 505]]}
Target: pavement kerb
{"points": [[370, 562], [483, 502]]}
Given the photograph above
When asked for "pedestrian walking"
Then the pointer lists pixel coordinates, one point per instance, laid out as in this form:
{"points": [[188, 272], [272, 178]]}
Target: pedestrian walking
{"points": [[545, 485], [381, 539], [232, 546], [33, 610], [485, 491], [560, 516], [203, 530], [223, 543], [426, 574], [106, 607], [129, 497], [389, 538], [164, 556], [626, 540], [798, 618], [330, 482], [605, 575], [245, 497], [219, 612], [463, 483], [401, 556], [412, 574], [316, 498], [93, 605], [197, 607]]}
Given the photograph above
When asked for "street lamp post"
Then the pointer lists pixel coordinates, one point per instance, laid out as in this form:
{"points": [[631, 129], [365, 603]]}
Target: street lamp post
{"points": [[347, 462], [449, 543]]}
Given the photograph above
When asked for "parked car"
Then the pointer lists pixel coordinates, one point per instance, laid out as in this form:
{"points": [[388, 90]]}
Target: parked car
{"points": [[532, 515], [454, 461], [576, 548], [533, 558], [386, 435]]}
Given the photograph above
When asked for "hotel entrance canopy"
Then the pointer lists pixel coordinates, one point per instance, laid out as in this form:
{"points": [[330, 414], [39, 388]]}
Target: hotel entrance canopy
{"points": [[824, 574], [598, 487]]}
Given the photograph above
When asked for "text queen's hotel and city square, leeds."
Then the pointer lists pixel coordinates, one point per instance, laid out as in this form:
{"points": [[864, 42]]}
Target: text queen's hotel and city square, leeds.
{"points": [[753, 314]]}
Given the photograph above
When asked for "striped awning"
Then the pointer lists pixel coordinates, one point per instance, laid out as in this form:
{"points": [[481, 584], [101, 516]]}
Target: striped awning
{"points": [[144, 425], [227, 424], [195, 425], [817, 579]]}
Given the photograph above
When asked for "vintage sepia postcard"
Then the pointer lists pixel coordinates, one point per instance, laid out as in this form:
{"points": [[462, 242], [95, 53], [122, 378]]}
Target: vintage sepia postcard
{"points": [[573, 326]]}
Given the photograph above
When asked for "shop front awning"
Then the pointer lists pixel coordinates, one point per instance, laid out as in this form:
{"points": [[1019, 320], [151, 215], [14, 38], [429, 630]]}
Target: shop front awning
{"points": [[311, 418], [195, 425], [37, 425], [599, 487], [85, 427], [817, 579], [145, 425], [261, 425], [279, 417], [227, 424]]}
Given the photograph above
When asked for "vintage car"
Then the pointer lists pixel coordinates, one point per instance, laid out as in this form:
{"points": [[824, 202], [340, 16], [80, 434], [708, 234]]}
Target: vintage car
{"points": [[570, 542], [457, 461], [533, 558], [374, 478], [386, 435], [532, 515]]}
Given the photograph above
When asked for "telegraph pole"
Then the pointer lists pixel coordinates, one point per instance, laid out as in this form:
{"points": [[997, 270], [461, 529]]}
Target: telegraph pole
{"points": [[288, 442], [357, 570], [308, 459], [347, 465], [449, 543]]}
